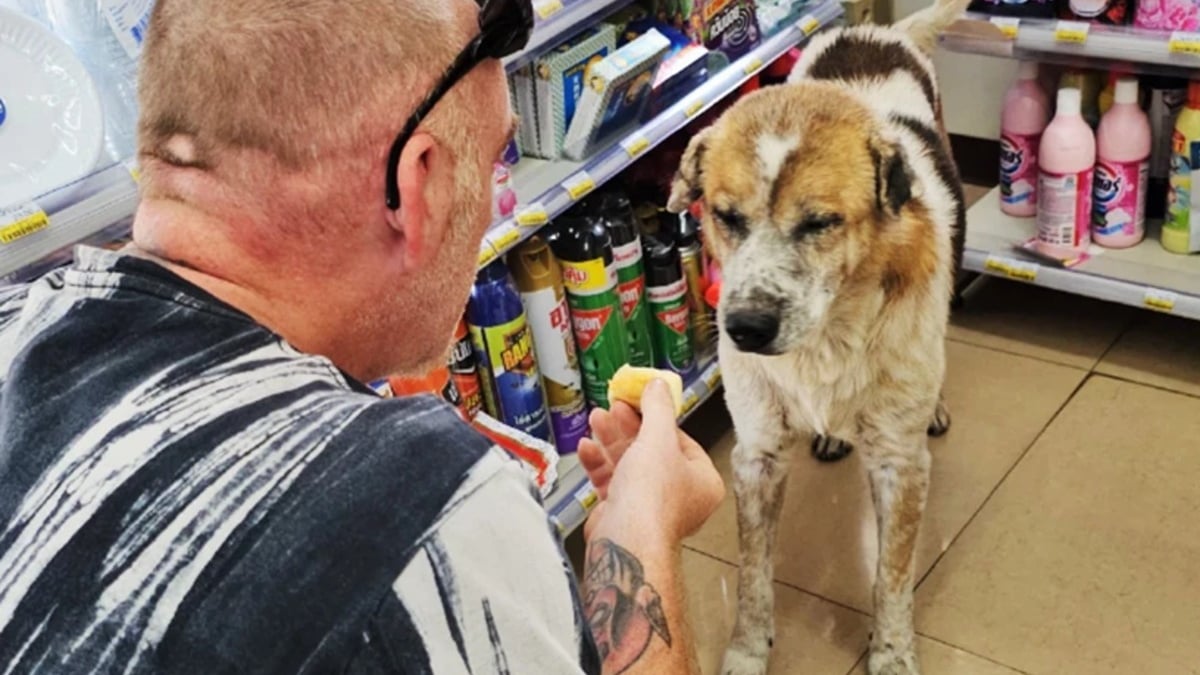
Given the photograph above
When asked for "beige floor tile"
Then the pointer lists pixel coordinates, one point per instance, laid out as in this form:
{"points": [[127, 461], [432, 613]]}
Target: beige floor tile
{"points": [[1085, 560], [1162, 351], [1038, 322], [811, 635], [975, 192], [942, 659], [1000, 404]]}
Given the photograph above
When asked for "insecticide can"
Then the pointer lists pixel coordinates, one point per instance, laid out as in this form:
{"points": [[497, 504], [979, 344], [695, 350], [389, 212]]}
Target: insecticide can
{"points": [[512, 385], [539, 279], [617, 213], [670, 315], [584, 250], [687, 238], [464, 371]]}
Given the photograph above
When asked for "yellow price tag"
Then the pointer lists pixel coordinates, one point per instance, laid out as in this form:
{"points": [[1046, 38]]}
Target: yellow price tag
{"points": [[1182, 42], [1008, 25], [694, 108], [579, 185], [1159, 300], [487, 254], [506, 239], [753, 66], [808, 24], [714, 378], [1013, 269], [690, 400], [587, 497], [534, 215], [635, 145], [18, 222], [1072, 32], [134, 172], [547, 9]]}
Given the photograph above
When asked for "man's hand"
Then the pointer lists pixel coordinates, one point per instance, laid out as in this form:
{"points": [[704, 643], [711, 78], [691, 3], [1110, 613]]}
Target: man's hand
{"points": [[648, 470]]}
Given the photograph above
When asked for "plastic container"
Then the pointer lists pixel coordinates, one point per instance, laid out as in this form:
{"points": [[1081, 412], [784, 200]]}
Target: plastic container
{"points": [[1022, 121], [1167, 98], [1068, 154], [1123, 172], [1181, 229], [1088, 84]]}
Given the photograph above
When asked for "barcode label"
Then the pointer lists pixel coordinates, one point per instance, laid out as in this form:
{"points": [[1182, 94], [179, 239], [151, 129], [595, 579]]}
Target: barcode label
{"points": [[1182, 42], [548, 8], [534, 215], [635, 145], [808, 24], [1074, 32], [1013, 269], [1160, 300], [579, 185], [1008, 25], [18, 222]]}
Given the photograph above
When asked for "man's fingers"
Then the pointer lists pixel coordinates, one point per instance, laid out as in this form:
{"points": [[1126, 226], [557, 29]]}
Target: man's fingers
{"points": [[594, 461], [659, 425]]}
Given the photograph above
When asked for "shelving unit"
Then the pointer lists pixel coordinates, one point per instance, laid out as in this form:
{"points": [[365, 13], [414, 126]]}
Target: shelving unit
{"points": [[574, 498], [546, 189], [1144, 276], [556, 19]]}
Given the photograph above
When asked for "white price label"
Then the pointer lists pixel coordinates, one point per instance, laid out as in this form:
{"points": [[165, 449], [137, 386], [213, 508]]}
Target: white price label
{"points": [[1008, 25], [579, 185], [1013, 269], [548, 8], [808, 24], [1160, 300], [1182, 42], [533, 216], [635, 145], [20, 221], [1072, 32]]}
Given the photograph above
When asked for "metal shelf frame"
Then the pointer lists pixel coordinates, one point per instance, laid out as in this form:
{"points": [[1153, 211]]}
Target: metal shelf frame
{"points": [[559, 19]]}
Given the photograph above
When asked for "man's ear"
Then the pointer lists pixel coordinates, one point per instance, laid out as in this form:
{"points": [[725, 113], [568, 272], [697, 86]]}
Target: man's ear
{"points": [[418, 171], [893, 180], [686, 186]]}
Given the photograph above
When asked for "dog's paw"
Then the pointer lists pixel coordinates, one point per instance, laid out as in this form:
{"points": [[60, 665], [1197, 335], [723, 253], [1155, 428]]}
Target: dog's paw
{"points": [[829, 449], [887, 660], [941, 421], [742, 661]]}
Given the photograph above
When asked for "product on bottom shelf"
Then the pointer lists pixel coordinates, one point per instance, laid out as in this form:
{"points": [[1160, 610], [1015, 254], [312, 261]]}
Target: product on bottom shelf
{"points": [[1181, 230], [687, 239], [616, 212], [1167, 98], [584, 250], [512, 384], [630, 382], [539, 278], [1023, 119], [667, 292], [464, 371], [1123, 171], [1168, 15], [1068, 154]]}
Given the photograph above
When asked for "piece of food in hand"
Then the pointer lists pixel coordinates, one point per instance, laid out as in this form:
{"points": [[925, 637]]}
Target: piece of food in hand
{"points": [[629, 382]]}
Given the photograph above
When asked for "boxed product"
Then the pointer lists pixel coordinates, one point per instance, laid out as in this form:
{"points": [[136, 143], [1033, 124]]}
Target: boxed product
{"points": [[617, 92], [1168, 15], [1111, 12], [561, 77], [729, 26], [524, 99]]}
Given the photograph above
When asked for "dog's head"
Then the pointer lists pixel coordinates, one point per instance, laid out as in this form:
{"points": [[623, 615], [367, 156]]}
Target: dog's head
{"points": [[798, 181]]}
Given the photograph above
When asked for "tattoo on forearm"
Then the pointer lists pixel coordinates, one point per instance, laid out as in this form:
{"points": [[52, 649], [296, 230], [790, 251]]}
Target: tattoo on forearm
{"points": [[623, 611]]}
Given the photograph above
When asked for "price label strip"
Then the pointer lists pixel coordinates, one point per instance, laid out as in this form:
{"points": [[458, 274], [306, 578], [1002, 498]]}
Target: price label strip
{"points": [[713, 379], [690, 401], [1183, 42], [1013, 269], [533, 216], [1008, 25], [506, 238], [1071, 32], [635, 145], [548, 8], [579, 185], [487, 254], [18, 222], [1160, 300], [694, 108], [753, 66], [808, 24]]}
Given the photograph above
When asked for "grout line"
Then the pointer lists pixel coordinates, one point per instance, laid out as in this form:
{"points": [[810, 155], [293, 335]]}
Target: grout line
{"points": [[1156, 387], [1121, 335], [1010, 352], [860, 661], [968, 651]]}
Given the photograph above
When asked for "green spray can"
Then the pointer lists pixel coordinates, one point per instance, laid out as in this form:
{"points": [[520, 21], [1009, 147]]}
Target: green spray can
{"points": [[670, 313], [584, 250], [691, 258], [617, 214]]}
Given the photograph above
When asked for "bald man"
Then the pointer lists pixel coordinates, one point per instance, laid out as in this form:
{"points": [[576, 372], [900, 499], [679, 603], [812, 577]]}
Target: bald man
{"points": [[193, 478]]}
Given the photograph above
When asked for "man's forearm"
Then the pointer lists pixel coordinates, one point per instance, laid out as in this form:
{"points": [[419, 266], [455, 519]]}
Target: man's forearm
{"points": [[635, 606]]}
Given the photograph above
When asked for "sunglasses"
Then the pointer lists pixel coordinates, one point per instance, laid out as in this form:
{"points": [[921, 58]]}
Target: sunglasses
{"points": [[504, 29]]}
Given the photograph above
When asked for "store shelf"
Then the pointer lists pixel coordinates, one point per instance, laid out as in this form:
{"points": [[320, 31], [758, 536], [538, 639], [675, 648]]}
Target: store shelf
{"points": [[557, 20], [546, 189], [1073, 43], [1144, 276], [574, 497], [97, 205]]}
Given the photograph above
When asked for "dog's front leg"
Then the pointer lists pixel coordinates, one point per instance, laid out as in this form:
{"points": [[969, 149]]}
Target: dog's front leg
{"points": [[760, 467], [899, 484]]}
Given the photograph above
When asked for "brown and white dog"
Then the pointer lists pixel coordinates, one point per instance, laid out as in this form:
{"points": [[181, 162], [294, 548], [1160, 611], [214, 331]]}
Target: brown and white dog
{"points": [[836, 212]]}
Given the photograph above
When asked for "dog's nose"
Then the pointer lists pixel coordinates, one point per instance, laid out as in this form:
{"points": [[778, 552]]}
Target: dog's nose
{"points": [[752, 331]]}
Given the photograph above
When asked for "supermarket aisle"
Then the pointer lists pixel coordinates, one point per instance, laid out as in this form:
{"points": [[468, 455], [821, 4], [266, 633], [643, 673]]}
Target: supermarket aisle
{"points": [[1053, 541]]}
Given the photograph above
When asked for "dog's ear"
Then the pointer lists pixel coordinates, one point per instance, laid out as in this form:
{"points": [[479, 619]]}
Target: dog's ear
{"points": [[893, 180], [685, 187]]}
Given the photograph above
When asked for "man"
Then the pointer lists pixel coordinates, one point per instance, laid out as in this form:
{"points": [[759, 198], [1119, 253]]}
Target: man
{"points": [[192, 477]]}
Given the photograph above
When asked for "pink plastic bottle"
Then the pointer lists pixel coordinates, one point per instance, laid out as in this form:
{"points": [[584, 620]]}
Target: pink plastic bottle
{"points": [[1123, 172], [1066, 158], [1026, 111]]}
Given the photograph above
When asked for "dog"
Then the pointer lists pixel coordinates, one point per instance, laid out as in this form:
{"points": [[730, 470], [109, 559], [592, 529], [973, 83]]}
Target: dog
{"points": [[836, 212]]}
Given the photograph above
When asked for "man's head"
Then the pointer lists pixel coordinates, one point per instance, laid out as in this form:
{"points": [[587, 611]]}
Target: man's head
{"points": [[264, 137]]}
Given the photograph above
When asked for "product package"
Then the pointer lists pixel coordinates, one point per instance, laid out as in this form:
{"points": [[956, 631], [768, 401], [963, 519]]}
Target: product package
{"points": [[561, 77], [617, 92], [1034, 9], [523, 90], [1110, 12], [1168, 15], [729, 26]]}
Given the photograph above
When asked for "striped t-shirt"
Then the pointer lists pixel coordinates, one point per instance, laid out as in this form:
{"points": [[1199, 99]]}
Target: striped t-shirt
{"points": [[183, 492]]}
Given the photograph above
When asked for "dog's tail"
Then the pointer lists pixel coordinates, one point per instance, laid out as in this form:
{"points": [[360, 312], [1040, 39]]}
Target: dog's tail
{"points": [[925, 26]]}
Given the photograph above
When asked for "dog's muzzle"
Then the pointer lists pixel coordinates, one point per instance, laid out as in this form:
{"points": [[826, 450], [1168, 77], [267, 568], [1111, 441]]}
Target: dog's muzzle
{"points": [[752, 331]]}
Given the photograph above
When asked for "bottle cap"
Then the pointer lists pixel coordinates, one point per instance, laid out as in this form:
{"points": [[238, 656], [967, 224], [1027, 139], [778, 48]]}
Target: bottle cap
{"points": [[1027, 70], [1126, 91], [1069, 102]]}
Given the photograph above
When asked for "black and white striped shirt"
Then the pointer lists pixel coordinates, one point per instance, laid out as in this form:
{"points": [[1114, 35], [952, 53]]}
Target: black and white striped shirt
{"points": [[183, 492]]}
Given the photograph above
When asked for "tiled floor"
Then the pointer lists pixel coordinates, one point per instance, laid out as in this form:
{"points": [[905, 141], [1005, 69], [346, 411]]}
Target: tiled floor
{"points": [[1062, 534]]}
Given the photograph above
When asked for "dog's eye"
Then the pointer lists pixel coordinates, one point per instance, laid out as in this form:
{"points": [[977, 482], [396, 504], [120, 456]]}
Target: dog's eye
{"points": [[732, 220], [816, 223]]}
